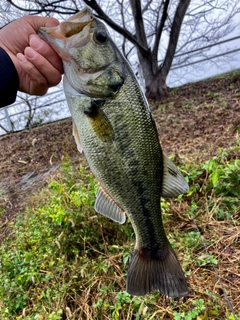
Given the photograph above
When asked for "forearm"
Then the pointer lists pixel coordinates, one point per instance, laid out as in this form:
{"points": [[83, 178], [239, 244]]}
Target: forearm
{"points": [[9, 80]]}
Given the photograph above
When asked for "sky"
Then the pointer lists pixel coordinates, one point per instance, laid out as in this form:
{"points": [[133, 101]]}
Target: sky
{"points": [[207, 69]]}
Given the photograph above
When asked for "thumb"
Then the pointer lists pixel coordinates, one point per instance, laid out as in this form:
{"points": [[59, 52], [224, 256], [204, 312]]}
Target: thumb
{"points": [[36, 22], [51, 22]]}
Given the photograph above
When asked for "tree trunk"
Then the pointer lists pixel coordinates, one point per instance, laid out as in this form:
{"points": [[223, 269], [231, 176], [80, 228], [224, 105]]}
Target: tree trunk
{"points": [[155, 79], [155, 76], [155, 87]]}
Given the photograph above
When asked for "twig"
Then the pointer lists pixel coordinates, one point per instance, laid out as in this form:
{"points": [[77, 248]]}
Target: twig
{"points": [[215, 272]]}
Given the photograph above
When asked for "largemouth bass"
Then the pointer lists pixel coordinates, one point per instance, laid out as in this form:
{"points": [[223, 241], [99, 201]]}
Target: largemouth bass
{"points": [[113, 126]]}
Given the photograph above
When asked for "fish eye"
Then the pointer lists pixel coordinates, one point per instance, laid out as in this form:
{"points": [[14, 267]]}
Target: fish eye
{"points": [[101, 36]]}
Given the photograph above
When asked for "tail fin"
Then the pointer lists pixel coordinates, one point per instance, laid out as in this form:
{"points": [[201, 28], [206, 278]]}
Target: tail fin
{"points": [[158, 271]]}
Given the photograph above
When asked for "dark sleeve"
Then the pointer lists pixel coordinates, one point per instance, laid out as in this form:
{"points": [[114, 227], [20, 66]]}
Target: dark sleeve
{"points": [[9, 80]]}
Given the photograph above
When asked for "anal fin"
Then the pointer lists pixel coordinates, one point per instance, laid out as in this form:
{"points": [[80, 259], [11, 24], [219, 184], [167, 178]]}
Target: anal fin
{"points": [[106, 206]]}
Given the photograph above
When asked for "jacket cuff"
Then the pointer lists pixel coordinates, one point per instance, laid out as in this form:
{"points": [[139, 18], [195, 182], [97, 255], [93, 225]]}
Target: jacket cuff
{"points": [[9, 80]]}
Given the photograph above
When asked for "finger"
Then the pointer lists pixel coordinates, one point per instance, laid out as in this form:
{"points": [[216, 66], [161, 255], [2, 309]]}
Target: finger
{"points": [[42, 65], [39, 21], [46, 51], [31, 80]]}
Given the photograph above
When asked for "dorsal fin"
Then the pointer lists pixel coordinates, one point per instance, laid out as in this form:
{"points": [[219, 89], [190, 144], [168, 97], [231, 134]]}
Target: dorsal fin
{"points": [[108, 207], [77, 138], [174, 183]]}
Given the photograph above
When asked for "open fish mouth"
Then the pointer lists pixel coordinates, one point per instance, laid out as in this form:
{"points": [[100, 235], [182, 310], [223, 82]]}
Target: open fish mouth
{"points": [[73, 26]]}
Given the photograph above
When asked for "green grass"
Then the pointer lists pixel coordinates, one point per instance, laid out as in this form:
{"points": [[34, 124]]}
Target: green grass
{"points": [[64, 261]]}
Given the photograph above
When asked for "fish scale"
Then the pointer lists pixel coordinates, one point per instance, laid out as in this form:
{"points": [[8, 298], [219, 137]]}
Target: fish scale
{"points": [[114, 127]]}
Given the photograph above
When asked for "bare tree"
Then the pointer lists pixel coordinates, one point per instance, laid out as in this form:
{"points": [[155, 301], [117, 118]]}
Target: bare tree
{"points": [[156, 33]]}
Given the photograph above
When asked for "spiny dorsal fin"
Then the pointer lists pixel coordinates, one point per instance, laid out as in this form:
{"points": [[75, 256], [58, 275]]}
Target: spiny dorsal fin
{"points": [[174, 183], [108, 207], [77, 138]]}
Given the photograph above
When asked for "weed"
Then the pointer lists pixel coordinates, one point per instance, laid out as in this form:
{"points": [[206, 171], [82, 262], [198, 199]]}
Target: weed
{"points": [[67, 262], [197, 309], [219, 180], [213, 94], [174, 91]]}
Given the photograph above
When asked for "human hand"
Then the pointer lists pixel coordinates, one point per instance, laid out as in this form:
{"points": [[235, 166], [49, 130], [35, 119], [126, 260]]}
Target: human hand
{"points": [[38, 65]]}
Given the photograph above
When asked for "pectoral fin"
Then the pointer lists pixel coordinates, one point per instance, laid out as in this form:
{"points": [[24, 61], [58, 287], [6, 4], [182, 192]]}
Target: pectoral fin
{"points": [[77, 138], [108, 207], [174, 183], [99, 121]]}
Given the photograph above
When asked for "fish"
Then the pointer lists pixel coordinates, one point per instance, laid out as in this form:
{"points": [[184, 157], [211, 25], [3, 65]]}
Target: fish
{"points": [[114, 127]]}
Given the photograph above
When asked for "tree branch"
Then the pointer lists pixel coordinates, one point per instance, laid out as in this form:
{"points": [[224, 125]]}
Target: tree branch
{"points": [[160, 29], [138, 21], [46, 8], [173, 40], [146, 6]]}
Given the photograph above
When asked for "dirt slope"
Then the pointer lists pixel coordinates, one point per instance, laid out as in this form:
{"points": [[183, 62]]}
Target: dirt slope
{"points": [[193, 123]]}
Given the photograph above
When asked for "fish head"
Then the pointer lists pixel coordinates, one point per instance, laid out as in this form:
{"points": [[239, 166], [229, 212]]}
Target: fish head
{"points": [[92, 62]]}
